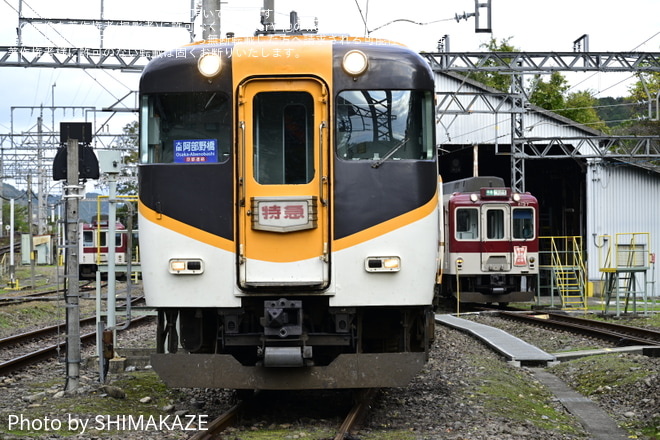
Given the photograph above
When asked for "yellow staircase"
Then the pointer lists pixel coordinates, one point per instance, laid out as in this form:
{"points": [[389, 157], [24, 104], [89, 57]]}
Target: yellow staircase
{"points": [[568, 271], [624, 262]]}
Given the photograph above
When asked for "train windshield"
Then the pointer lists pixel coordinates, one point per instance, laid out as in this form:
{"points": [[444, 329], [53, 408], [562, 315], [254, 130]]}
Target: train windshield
{"points": [[185, 128], [523, 223], [467, 224], [385, 125], [100, 239]]}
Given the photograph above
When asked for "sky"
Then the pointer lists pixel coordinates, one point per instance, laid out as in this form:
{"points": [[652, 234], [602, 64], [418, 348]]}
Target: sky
{"points": [[612, 26]]}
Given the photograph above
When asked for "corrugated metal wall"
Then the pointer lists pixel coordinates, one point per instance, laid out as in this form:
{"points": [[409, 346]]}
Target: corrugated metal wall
{"points": [[621, 198]]}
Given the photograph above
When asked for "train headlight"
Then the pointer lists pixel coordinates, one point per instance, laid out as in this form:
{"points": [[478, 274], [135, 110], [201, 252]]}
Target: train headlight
{"points": [[209, 64], [186, 266], [355, 63], [474, 197], [382, 264], [516, 197]]}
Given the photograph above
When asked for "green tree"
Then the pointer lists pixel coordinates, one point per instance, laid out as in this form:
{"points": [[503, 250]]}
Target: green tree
{"points": [[550, 94], [616, 112], [127, 184], [581, 107], [20, 216], [644, 92], [495, 80]]}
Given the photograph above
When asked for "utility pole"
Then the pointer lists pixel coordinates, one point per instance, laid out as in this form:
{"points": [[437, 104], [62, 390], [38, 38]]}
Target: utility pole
{"points": [[12, 264], [211, 19], [31, 232]]}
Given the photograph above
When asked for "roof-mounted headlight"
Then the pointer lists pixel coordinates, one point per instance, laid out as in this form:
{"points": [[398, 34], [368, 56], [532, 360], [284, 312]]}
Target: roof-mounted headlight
{"points": [[355, 63], [209, 64]]}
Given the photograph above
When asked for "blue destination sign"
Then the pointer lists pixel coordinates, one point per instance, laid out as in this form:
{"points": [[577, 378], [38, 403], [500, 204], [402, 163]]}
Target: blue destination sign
{"points": [[196, 151]]}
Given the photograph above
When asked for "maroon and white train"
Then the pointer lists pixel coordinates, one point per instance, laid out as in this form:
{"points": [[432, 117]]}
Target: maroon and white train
{"points": [[491, 242], [94, 247]]}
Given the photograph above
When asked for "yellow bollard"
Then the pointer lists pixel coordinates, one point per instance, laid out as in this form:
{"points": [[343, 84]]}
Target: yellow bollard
{"points": [[459, 263]]}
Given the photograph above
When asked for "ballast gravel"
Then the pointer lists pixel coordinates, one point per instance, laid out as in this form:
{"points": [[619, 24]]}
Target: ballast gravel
{"points": [[443, 402]]}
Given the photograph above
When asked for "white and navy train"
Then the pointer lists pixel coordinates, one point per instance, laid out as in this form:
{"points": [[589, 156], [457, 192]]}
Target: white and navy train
{"points": [[291, 212]]}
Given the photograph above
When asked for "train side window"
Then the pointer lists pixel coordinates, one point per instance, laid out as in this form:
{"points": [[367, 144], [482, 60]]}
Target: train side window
{"points": [[381, 125], [523, 223], [495, 224], [467, 224]]}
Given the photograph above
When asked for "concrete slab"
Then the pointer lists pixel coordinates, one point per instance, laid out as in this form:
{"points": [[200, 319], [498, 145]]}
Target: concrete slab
{"points": [[596, 422], [514, 349]]}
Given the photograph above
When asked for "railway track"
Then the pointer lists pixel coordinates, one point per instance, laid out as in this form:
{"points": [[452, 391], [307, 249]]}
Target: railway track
{"points": [[363, 399], [223, 421], [17, 362], [48, 351], [362, 402], [32, 357], [621, 335], [41, 295]]}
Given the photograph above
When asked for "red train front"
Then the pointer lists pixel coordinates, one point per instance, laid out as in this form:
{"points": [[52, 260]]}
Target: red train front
{"points": [[94, 247], [491, 233]]}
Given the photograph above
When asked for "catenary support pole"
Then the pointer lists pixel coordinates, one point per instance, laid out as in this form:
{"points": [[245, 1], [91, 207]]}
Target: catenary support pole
{"points": [[72, 291]]}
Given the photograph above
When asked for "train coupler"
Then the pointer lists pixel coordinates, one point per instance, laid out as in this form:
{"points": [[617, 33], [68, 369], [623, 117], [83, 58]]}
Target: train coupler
{"points": [[287, 357]]}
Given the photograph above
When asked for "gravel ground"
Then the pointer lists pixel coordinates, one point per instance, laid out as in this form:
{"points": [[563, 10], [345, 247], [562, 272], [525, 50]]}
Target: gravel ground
{"points": [[464, 392]]}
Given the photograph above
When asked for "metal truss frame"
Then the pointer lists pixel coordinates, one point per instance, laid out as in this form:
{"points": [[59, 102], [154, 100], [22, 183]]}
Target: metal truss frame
{"points": [[79, 58], [544, 62], [519, 63]]}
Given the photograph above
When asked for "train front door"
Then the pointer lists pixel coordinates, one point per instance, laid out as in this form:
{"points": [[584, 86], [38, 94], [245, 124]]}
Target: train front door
{"points": [[496, 250], [283, 190]]}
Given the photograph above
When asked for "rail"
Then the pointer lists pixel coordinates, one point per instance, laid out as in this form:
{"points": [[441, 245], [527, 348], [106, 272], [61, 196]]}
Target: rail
{"points": [[622, 335]]}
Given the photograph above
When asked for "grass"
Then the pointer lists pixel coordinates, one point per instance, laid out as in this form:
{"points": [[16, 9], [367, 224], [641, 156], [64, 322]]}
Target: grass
{"points": [[510, 394], [605, 370], [597, 376], [43, 276], [92, 409]]}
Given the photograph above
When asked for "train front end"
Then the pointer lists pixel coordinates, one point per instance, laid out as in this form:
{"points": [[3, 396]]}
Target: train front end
{"points": [[289, 212], [492, 250]]}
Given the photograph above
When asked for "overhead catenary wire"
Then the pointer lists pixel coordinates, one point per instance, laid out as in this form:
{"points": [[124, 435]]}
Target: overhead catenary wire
{"points": [[623, 80], [85, 71]]}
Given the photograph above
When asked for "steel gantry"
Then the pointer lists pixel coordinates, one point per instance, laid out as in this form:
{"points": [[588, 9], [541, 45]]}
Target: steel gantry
{"points": [[515, 63], [515, 102], [544, 62], [79, 58]]}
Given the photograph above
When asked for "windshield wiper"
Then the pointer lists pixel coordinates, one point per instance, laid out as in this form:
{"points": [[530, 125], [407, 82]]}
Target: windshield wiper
{"points": [[390, 153]]}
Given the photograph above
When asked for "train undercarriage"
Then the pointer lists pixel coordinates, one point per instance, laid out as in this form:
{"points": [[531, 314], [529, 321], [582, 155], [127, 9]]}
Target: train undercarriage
{"points": [[495, 288], [282, 343]]}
